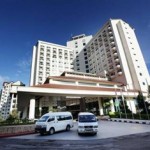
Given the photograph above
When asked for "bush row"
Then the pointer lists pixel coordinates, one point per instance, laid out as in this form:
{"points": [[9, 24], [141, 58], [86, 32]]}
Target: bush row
{"points": [[129, 116]]}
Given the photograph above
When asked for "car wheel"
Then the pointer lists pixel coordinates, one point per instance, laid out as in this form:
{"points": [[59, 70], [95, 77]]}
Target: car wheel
{"points": [[68, 128], [51, 131], [41, 133], [79, 133]]}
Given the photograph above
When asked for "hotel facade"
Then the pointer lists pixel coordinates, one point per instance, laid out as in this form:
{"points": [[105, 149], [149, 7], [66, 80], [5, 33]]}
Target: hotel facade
{"points": [[87, 72], [49, 59], [8, 101], [115, 52]]}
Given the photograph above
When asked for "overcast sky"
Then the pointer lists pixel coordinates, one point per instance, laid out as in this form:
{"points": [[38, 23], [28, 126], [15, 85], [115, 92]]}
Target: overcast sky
{"points": [[24, 22]]}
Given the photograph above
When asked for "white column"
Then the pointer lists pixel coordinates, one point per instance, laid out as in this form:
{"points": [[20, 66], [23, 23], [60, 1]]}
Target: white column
{"points": [[131, 105], [32, 109], [100, 106], [112, 106]]}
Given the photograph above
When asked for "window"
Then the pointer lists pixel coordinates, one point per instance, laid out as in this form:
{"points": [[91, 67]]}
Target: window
{"points": [[51, 119], [86, 62], [68, 117], [140, 74], [15, 95], [84, 44]]}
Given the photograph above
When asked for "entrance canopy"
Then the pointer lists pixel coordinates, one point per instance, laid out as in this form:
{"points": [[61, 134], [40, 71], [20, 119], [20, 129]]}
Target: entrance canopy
{"points": [[74, 87]]}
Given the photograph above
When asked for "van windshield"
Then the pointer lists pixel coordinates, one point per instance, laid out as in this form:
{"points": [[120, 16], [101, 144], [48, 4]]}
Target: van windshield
{"points": [[43, 119], [87, 118]]}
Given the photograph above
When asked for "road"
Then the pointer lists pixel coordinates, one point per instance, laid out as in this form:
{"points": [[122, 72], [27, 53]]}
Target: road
{"points": [[111, 136], [107, 129]]}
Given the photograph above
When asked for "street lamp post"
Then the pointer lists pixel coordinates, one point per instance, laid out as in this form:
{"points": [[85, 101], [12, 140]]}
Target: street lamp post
{"points": [[123, 102]]}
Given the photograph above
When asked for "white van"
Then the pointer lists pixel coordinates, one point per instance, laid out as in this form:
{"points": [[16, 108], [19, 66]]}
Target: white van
{"points": [[53, 122], [87, 123]]}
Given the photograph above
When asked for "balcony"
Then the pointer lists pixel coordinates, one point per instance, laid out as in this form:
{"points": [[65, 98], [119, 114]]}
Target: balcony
{"points": [[111, 38], [111, 70], [112, 76], [112, 43], [106, 45], [108, 56], [104, 35], [100, 44], [95, 43], [109, 28], [115, 53], [119, 72], [100, 39], [116, 60], [118, 66], [107, 50], [114, 49], [110, 33]]}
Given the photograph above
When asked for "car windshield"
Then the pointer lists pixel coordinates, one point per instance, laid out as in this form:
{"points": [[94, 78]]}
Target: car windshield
{"points": [[43, 119], [87, 118]]}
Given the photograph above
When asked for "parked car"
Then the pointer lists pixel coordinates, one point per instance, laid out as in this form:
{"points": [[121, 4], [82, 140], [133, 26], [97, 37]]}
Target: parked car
{"points": [[53, 122], [87, 123]]}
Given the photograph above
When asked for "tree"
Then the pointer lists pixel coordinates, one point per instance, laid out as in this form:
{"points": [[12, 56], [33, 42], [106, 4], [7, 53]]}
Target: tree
{"points": [[14, 113], [124, 107], [106, 105], [12, 117], [142, 104]]}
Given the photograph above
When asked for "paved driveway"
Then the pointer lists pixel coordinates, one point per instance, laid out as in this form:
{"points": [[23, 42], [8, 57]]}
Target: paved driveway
{"points": [[107, 129]]}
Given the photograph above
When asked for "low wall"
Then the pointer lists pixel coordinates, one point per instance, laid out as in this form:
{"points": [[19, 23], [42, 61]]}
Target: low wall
{"points": [[16, 130]]}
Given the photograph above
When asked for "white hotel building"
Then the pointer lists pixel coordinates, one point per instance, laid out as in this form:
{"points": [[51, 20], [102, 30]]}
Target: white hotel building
{"points": [[49, 60], [112, 53], [8, 101], [78, 43]]}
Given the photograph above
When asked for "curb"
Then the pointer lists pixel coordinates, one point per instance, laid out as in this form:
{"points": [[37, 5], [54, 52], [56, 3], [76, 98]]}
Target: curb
{"points": [[16, 134], [130, 121]]}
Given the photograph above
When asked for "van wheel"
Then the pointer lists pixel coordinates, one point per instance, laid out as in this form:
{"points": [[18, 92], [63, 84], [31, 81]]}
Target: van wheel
{"points": [[41, 133], [79, 133], [51, 131], [68, 128]]}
